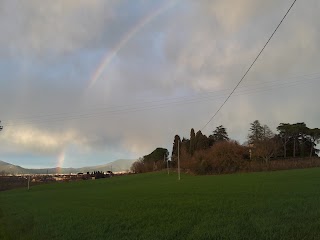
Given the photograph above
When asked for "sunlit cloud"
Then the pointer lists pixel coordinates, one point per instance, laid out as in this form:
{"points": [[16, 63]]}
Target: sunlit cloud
{"points": [[33, 139]]}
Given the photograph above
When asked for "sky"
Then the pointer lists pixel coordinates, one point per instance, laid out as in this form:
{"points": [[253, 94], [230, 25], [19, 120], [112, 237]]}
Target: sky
{"points": [[88, 82]]}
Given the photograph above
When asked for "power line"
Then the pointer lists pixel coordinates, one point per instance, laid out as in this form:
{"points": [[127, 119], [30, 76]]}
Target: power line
{"points": [[101, 107], [162, 105], [151, 107], [250, 66], [203, 95]]}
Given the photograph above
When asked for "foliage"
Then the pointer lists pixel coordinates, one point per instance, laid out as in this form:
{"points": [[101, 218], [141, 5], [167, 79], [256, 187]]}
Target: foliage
{"points": [[227, 157], [264, 144], [97, 174], [159, 154], [296, 140], [220, 134], [222, 157], [266, 148], [154, 161], [192, 141], [202, 142], [140, 166], [284, 134], [174, 155], [267, 133], [218, 154], [297, 132], [256, 132]]}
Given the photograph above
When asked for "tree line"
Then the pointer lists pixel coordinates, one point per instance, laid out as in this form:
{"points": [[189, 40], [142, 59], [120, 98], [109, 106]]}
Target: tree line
{"points": [[217, 153]]}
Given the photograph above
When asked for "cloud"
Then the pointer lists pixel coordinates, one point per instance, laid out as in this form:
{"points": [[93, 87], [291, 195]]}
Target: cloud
{"points": [[50, 49], [233, 16], [46, 27], [44, 142]]}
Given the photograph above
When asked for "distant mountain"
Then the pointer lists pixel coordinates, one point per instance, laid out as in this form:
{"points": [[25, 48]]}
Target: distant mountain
{"points": [[115, 166], [10, 168]]}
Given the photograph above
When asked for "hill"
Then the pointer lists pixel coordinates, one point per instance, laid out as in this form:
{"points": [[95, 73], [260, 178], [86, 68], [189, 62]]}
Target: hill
{"points": [[10, 168], [116, 166]]}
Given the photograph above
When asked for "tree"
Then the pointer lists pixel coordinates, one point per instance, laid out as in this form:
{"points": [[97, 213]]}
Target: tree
{"points": [[138, 166], [185, 157], [192, 141], [202, 142], [157, 155], [256, 132], [266, 148], [225, 157], [284, 130], [151, 162], [314, 136], [265, 143], [267, 133], [174, 155], [186, 144], [297, 132], [220, 134]]}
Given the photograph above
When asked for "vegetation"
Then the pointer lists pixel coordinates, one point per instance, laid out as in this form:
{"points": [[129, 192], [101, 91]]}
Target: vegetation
{"points": [[220, 134], [218, 153], [275, 205], [151, 162]]}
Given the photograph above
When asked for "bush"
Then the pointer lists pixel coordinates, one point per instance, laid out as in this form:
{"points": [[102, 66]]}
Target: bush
{"points": [[227, 157], [222, 157]]}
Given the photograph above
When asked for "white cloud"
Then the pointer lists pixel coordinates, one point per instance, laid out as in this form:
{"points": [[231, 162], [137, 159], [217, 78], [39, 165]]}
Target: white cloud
{"points": [[35, 140]]}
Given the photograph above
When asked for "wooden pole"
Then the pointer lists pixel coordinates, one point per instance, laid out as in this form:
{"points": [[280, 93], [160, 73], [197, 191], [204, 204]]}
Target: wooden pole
{"points": [[167, 163], [179, 161]]}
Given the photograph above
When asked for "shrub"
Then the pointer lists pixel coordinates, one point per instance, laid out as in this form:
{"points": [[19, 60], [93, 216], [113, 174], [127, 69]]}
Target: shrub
{"points": [[222, 157], [227, 157]]}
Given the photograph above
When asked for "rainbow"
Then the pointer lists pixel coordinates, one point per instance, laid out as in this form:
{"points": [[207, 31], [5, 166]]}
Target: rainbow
{"points": [[133, 31], [61, 158]]}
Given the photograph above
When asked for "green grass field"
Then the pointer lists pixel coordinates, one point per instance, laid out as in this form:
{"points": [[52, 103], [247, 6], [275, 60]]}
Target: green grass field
{"points": [[274, 205]]}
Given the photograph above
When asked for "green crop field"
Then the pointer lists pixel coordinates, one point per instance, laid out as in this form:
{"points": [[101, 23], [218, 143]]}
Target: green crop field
{"points": [[273, 205]]}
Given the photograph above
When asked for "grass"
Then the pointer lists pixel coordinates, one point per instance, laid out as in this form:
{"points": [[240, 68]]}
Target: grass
{"points": [[272, 205]]}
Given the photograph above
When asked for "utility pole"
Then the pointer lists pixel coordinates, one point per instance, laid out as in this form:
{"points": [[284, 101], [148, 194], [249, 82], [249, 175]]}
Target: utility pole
{"points": [[179, 160], [29, 182], [164, 158]]}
